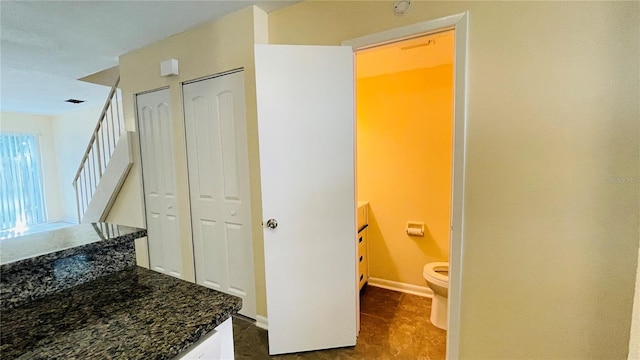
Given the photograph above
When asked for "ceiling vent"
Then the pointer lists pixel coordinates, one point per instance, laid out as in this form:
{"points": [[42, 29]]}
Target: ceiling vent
{"points": [[74, 101]]}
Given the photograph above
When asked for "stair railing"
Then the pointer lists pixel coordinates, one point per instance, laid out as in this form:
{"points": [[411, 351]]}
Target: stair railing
{"points": [[101, 146]]}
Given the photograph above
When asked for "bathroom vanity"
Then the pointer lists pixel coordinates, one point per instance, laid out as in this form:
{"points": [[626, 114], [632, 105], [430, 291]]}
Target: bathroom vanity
{"points": [[362, 255], [86, 299]]}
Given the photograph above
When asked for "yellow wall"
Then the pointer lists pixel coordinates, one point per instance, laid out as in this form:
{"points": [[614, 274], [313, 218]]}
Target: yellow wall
{"points": [[211, 48], [553, 138], [404, 125]]}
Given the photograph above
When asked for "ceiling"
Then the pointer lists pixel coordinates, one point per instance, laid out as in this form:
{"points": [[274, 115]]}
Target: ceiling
{"points": [[47, 45]]}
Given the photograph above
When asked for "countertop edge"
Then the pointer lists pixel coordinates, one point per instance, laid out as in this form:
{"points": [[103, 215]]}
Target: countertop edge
{"points": [[39, 259]]}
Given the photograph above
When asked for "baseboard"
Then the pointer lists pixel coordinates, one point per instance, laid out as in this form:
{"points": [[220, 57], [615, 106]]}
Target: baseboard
{"points": [[62, 219], [402, 287], [261, 322]]}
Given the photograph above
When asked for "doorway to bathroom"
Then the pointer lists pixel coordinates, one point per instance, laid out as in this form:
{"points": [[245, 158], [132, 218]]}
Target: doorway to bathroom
{"points": [[404, 171], [411, 110], [313, 146]]}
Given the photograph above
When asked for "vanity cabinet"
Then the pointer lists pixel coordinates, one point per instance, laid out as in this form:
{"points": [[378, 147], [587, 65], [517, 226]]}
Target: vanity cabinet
{"points": [[362, 244]]}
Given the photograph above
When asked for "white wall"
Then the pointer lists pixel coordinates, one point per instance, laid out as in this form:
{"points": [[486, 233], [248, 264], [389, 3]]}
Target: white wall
{"points": [[71, 132], [42, 126]]}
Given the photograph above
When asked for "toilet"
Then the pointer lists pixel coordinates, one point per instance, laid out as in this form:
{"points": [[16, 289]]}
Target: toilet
{"points": [[437, 276]]}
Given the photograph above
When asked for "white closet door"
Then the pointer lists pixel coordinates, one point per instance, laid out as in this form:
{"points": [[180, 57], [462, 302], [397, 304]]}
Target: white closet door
{"points": [[218, 160], [158, 174]]}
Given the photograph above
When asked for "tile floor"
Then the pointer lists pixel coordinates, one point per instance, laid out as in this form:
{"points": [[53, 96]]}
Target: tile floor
{"points": [[393, 325]]}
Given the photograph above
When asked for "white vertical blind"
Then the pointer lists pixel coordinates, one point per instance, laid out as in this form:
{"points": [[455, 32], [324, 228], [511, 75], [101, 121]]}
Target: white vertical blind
{"points": [[21, 198]]}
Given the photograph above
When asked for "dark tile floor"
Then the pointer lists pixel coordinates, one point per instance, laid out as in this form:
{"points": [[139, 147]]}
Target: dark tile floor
{"points": [[393, 325]]}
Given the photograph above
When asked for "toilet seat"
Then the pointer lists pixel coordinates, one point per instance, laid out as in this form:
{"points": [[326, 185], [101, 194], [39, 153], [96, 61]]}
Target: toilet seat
{"points": [[430, 272]]}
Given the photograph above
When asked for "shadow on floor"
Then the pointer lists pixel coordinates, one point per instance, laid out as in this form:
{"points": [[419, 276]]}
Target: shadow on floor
{"points": [[393, 325]]}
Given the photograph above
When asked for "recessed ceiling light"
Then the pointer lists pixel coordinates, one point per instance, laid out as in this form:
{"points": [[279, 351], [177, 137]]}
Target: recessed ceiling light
{"points": [[74, 101]]}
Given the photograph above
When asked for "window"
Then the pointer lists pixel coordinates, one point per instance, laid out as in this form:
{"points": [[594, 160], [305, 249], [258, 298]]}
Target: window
{"points": [[21, 197]]}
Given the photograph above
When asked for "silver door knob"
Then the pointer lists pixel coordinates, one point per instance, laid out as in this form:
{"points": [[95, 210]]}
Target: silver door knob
{"points": [[272, 224]]}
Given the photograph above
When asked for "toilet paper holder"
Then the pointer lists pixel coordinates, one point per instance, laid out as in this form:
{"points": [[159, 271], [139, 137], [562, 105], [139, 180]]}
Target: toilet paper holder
{"points": [[415, 228]]}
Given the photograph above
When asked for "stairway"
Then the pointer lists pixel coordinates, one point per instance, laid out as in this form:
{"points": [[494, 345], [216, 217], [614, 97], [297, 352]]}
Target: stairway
{"points": [[105, 163]]}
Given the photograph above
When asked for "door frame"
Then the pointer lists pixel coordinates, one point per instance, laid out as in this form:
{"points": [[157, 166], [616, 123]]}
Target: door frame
{"points": [[459, 23]]}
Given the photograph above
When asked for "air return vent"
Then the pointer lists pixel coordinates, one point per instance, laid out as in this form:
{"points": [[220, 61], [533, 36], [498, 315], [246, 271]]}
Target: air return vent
{"points": [[74, 101]]}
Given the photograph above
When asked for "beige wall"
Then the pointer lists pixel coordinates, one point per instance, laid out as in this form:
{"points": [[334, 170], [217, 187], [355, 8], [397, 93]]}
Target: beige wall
{"points": [[552, 195], [41, 125], [404, 142], [212, 48], [72, 132], [634, 342]]}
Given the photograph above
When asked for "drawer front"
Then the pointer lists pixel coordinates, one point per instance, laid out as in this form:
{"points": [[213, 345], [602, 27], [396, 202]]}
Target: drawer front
{"points": [[362, 257], [363, 273], [363, 264], [362, 237]]}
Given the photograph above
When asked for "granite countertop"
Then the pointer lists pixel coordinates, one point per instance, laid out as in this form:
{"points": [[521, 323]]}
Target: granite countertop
{"points": [[132, 314], [42, 264], [63, 242]]}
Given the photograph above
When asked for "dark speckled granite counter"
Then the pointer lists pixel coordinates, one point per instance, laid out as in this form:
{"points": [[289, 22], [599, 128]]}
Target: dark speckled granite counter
{"points": [[69, 241], [132, 314], [38, 265]]}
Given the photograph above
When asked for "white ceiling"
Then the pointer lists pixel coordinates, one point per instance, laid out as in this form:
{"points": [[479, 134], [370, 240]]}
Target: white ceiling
{"points": [[47, 45]]}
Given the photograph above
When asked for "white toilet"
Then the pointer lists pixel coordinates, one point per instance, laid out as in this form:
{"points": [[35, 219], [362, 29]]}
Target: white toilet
{"points": [[437, 276]]}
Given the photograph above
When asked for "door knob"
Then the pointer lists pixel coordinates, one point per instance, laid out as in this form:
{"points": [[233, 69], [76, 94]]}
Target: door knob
{"points": [[272, 224]]}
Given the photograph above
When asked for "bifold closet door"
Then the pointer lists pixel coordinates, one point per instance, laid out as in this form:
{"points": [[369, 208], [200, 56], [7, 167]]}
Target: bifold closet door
{"points": [[158, 176], [218, 161]]}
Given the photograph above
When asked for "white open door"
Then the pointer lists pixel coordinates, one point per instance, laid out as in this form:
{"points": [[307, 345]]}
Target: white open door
{"points": [[306, 126]]}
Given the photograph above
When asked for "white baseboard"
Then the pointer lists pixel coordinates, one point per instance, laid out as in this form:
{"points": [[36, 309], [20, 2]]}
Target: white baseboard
{"points": [[262, 322], [62, 219], [402, 287]]}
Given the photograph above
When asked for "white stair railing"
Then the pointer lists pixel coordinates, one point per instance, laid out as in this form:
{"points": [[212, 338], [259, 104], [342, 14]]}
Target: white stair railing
{"points": [[101, 146]]}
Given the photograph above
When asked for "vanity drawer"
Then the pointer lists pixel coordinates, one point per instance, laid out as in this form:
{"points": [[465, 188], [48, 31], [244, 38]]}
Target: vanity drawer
{"points": [[362, 257], [363, 263], [363, 273], [361, 239]]}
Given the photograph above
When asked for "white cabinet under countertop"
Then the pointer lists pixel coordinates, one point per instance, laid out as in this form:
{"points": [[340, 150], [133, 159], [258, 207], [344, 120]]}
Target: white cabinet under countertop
{"points": [[217, 345], [362, 255]]}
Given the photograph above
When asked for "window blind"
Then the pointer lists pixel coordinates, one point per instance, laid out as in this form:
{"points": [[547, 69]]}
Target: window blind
{"points": [[21, 197]]}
